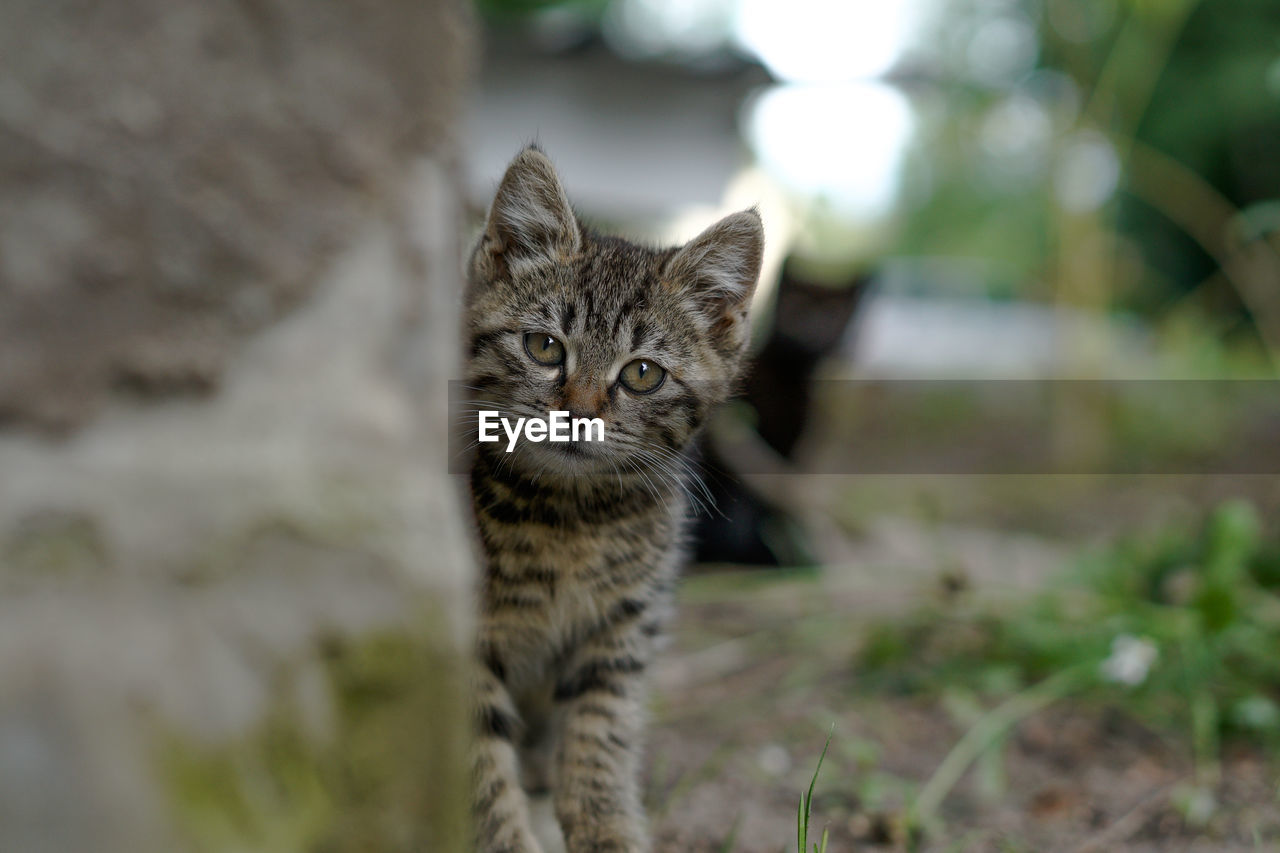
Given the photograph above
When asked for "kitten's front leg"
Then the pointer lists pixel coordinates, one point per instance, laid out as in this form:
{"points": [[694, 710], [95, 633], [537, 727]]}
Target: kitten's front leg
{"points": [[597, 789], [500, 805]]}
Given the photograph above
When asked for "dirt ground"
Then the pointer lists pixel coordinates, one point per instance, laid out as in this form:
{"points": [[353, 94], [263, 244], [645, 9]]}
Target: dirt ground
{"points": [[763, 664]]}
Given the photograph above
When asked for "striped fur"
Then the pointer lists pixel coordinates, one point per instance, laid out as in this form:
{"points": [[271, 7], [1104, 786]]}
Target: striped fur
{"points": [[581, 546]]}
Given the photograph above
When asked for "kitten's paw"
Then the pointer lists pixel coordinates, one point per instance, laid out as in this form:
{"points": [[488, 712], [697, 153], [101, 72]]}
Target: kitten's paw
{"points": [[608, 837], [524, 842], [542, 816]]}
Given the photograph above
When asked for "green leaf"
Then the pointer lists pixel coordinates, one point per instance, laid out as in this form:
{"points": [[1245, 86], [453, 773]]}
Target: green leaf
{"points": [[806, 799]]}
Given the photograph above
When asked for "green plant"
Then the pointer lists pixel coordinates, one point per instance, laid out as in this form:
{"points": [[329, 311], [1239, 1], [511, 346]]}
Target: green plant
{"points": [[989, 728], [1178, 628], [806, 807]]}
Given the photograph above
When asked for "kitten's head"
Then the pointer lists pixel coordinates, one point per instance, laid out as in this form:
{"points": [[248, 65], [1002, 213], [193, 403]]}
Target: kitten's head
{"points": [[561, 319]]}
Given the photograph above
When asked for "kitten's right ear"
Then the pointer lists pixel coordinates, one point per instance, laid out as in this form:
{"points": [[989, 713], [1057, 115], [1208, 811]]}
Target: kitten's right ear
{"points": [[717, 273], [531, 222]]}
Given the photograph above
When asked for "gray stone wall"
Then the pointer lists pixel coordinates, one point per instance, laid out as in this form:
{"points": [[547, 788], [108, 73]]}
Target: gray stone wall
{"points": [[234, 575]]}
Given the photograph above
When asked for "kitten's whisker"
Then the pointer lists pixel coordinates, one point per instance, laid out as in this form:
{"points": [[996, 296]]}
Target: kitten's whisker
{"points": [[674, 482], [649, 486], [692, 473], [661, 458], [470, 447]]}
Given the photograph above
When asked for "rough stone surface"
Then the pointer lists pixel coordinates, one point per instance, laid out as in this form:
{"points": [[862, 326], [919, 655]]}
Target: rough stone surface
{"points": [[234, 576], [175, 174]]}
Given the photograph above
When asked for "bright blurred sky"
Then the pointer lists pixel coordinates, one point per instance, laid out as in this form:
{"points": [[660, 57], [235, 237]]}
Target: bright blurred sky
{"points": [[825, 41], [828, 130]]}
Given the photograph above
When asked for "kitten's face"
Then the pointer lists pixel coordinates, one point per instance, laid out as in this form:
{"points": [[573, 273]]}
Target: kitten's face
{"points": [[562, 320]]}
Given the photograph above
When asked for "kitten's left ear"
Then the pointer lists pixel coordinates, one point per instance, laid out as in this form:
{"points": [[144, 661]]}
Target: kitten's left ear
{"points": [[530, 222], [718, 270]]}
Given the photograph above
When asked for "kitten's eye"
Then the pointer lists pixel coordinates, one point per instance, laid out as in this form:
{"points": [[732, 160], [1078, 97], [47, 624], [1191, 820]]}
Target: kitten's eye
{"points": [[544, 349], [642, 376]]}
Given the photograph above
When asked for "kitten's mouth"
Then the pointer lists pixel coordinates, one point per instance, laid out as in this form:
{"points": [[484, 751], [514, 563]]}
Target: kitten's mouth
{"points": [[574, 454], [570, 459]]}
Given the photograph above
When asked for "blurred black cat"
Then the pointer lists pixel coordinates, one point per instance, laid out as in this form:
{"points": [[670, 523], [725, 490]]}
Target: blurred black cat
{"points": [[810, 323]]}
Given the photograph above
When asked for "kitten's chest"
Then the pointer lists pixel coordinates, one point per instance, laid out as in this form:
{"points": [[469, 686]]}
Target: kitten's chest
{"points": [[546, 589]]}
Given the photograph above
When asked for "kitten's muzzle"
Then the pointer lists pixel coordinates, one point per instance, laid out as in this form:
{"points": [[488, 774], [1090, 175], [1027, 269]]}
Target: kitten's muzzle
{"points": [[584, 402]]}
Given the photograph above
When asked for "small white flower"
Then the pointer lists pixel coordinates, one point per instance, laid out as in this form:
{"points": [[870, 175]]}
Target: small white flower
{"points": [[1130, 661]]}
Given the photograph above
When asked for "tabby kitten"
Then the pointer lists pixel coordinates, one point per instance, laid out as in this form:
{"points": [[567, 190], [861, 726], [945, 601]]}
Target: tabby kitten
{"points": [[581, 541]]}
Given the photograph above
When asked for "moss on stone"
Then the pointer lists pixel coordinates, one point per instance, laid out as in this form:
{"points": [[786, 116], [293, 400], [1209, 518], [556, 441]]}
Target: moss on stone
{"points": [[54, 544], [390, 776]]}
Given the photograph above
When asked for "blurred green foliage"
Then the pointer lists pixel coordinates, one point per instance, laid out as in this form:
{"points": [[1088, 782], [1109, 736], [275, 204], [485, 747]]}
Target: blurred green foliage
{"points": [[1204, 603], [351, 774], [1183, 94], [1216, 110], [502, 10], [1193, 81]]}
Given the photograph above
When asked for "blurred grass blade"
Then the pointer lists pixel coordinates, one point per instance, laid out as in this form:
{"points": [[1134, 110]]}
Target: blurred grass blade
{"points": [[802, 828], [732, 839], [806, 802]]}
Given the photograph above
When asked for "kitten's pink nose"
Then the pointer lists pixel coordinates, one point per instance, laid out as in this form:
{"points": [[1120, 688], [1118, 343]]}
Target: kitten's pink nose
{"points": [[584, 401]]}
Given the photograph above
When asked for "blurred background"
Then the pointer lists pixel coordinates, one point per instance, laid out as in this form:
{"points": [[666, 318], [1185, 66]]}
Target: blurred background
{"points": [[995, 518], [999, 498]]}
